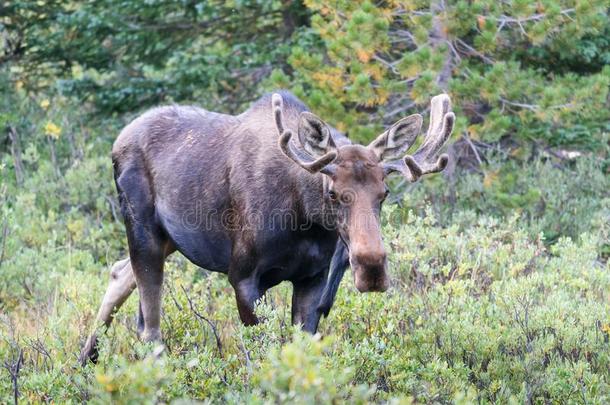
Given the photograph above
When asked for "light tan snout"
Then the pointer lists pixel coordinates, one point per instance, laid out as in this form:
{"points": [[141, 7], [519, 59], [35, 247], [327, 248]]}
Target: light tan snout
{"points": [[368, 260]]}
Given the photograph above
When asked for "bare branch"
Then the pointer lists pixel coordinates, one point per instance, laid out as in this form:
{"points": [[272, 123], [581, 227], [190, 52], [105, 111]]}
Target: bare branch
{"points": [[535, 107], [438, 36], [4, 238], [530, 107], [203, 318], [504, 19], [400, 110], [13, 367], [473, 148], [474, 52], [16, 152], [456, 54], [389, 65]]}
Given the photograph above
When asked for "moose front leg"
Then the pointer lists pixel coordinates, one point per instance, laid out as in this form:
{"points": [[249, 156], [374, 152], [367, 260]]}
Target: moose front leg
{"points": [[246, 294], [305, 299], [245, 281]]}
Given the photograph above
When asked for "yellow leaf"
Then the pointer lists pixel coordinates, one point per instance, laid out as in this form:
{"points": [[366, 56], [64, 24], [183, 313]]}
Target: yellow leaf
{"points": [[107, 382], [45, 103], [473, 131], [515, 152], [375, 71], [412, 70], [52, 130], [363, 56], [490, 178], [382, 96]]}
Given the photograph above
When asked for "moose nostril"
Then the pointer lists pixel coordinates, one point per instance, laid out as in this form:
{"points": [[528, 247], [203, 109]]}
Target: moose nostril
{"points": [[371, 278]]}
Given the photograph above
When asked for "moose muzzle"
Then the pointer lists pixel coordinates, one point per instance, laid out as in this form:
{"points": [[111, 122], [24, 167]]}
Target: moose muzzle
{"points": [[370, 272]]}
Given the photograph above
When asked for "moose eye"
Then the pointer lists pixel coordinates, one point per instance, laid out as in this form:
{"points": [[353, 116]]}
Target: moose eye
{"points": [[332, 195]]}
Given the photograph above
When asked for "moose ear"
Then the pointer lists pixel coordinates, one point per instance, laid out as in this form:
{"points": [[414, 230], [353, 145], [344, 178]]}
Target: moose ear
{"points": [[393, 143], [314, 135]]}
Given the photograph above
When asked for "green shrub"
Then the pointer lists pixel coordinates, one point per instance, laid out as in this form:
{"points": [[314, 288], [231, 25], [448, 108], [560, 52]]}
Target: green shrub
{"points": [[548, 200], [479, 313]]}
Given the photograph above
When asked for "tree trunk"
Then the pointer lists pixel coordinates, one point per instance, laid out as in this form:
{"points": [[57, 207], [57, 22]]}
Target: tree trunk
{"points": [[438, 37]]}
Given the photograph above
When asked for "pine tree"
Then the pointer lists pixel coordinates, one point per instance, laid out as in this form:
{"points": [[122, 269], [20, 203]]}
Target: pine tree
{"points": [[533, 70]]}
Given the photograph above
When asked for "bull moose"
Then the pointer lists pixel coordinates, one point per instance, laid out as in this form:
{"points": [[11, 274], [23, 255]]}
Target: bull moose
{"points": [[240, 195]]}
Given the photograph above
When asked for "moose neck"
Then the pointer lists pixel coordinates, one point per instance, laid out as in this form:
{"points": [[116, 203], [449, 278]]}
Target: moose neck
{"points": [[314, 205]]}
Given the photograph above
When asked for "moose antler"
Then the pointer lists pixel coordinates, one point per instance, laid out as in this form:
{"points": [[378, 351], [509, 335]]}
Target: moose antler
{"points": [[299, 156], [422, 161]]}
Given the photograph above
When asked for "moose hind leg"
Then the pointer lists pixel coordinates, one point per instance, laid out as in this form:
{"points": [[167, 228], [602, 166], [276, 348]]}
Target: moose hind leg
{"points": [[148, 245], [121, 285], [149, 277]]}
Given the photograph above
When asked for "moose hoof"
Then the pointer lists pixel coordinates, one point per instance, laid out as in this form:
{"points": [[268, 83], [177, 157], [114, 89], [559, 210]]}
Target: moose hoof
{"points": [[89, 353], [150, 336]]}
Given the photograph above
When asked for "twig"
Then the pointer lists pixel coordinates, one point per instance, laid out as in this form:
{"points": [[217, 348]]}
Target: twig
{"points": [[16, 152], [113, 209], [13, 369], [246, 353], [456, 54], [502, 23], [398, 110], [4, 238], [203, 318], [38, 346], [405, 34], [28, 289], [522, 29], [389, 65], [531, 107], [472, 51], [173, 296], [506, 19], [474, 149], [54, 161], [535, 107]]}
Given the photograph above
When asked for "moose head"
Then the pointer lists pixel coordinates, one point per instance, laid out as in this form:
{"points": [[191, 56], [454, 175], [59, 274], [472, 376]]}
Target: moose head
{"points": [[355, 176]]}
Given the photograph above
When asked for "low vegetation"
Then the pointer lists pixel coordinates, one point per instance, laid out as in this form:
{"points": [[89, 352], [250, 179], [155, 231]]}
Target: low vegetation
{"points": [[501, 296]]}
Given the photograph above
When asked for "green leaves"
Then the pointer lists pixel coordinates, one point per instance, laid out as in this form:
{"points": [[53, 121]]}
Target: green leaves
{"points": [[136, 55], [497, 57], [539, 63]]}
